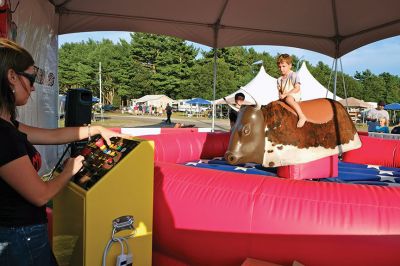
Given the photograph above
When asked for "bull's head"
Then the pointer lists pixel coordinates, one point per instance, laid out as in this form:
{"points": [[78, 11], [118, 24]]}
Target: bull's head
{"points": [[247, 139]]}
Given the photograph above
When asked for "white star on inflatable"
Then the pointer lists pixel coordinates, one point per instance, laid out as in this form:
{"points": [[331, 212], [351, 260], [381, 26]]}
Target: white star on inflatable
{"points": [[387, 178], [373, 166], [192, 163], [382, 172], [218, 158], [244, 169]]}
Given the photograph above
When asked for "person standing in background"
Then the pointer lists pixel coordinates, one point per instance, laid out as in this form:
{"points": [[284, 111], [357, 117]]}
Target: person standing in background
{"points": [[234, 109], [168, 110], [374, 115], [382, 128]]}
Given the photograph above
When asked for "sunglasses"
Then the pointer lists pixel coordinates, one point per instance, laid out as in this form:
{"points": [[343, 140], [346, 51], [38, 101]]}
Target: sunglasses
{"points": [[30, 77]]}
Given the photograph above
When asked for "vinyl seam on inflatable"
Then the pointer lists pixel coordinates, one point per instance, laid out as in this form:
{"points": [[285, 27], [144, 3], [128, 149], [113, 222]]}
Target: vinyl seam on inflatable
{"points": [[276, 195]]}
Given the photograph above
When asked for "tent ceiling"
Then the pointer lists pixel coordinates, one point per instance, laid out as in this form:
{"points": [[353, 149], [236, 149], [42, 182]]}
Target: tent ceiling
{"points": [[331, 27]]}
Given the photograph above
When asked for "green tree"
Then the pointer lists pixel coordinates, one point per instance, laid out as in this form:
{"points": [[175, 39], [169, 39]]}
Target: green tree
{"points": [[201, 80], [374, 87], [170, 60], [155, 64], [392, 84], [74, 69]]}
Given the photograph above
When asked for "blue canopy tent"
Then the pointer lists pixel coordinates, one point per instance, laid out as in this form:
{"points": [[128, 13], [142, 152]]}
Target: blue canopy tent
{"points": [[198, 102], [393, 107]]}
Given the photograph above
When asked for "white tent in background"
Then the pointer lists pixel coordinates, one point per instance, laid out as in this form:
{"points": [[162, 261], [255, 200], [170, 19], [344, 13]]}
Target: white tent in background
{"points": [[310, 87], [262, 88]]}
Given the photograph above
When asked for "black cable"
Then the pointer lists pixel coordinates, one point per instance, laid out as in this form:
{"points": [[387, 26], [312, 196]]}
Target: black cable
{"points": [[59, 161]]}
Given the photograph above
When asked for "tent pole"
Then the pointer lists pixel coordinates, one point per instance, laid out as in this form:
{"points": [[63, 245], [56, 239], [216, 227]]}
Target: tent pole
{"points": [[330, 77], [214, 89], [344, 83], [101, 99], [216, 29], [335, 80]]}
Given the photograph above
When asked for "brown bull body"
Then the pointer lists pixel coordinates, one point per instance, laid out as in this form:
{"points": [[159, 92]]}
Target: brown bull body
{"points": [[269, 134]]}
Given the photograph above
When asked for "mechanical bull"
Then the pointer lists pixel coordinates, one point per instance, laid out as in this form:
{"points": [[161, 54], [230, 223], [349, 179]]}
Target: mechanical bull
{"points": [[269, 135]]}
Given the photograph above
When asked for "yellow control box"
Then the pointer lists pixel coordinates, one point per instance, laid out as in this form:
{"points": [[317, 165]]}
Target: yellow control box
{"points": [[82, 218]]}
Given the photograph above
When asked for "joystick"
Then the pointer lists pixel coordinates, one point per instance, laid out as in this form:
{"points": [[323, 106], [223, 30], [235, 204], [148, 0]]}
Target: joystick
{"points": [[100, 158], [100, 143]]}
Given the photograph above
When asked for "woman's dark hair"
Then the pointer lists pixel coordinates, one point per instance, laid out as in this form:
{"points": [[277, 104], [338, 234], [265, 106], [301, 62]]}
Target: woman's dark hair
{"points": [[12, 56]]}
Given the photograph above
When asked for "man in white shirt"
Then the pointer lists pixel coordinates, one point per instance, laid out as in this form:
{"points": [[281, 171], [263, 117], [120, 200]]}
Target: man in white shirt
{"points": [[375, 114]]}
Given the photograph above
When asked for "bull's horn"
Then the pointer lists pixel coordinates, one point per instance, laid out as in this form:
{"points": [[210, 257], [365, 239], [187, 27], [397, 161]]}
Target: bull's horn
{"points": [[258, 106]]}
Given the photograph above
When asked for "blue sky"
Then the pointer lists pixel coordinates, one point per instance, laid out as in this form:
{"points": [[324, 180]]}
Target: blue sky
{"points": [[379, 57]]}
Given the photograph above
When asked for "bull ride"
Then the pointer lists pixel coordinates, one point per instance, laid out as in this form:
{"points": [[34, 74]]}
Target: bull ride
{"points": [[268, 134]]}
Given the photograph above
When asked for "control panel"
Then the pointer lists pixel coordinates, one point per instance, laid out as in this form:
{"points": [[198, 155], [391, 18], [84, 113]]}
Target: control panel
{"points": [[100, 158], [114, 181]]}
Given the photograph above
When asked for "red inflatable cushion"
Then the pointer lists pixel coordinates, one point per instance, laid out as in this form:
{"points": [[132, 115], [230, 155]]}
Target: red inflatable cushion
{"points": [[375, 151], [322, 168], [183, 147]]}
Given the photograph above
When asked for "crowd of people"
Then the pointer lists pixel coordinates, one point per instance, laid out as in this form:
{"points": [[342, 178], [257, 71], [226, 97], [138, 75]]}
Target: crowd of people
{"points": [[143, 109]]}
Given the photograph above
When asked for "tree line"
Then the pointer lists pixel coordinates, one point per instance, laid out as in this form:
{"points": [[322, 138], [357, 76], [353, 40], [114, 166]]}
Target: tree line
{"points": [[155, 64]]}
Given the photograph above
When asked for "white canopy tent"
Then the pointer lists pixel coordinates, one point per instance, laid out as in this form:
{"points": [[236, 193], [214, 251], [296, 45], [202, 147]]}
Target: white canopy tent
{"points": [[262, 88], [310, 87]]}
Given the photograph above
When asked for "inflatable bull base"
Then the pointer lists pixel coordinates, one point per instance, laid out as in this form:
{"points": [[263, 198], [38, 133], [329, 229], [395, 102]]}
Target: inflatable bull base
{"points": [[269, 134]]}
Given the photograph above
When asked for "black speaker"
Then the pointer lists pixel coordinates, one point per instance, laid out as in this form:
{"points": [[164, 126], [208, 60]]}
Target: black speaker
{"points": [[78, 107]]}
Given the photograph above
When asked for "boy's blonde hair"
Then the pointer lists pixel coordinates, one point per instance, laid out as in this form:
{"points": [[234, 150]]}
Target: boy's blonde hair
{"points": [[284, 58]]}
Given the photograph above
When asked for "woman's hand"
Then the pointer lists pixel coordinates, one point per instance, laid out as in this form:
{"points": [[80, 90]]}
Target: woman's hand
{"points": [[282, 96], [73, 165], [107, 134]]}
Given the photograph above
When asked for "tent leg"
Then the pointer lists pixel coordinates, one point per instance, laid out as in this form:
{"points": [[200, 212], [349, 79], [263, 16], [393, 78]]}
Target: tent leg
{"points": [[344, 83], [330, 78], [335, 80], [214, 89]]}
